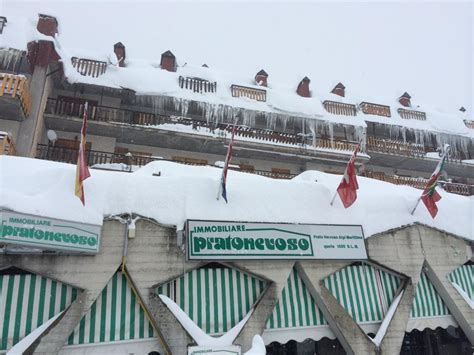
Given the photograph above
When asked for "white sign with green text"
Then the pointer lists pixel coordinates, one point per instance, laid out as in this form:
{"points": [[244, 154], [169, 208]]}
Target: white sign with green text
{"points": [[48, 233], [220, 240], [214, 350]]}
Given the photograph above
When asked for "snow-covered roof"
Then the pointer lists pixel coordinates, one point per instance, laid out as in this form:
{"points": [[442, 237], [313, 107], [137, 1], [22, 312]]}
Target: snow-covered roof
{"points": [[183, 192], [147, 78]]}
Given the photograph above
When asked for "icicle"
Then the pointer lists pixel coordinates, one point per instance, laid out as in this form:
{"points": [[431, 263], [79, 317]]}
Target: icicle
{"points": [[9, 58]]}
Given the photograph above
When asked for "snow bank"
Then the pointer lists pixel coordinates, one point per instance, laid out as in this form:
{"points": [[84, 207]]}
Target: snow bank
{"points": [[183, 192], [258, 346]]}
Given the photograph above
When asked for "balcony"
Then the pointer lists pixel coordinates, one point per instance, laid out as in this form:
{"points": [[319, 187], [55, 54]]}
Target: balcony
{"points": [[370, 108], [7, 147], [89, 67], [420, 183], [15, 96], [335, 144], [469, 124], [340, 108], [93, 157], [251, 93], [412, 114], [197, 84], [390, 146]]}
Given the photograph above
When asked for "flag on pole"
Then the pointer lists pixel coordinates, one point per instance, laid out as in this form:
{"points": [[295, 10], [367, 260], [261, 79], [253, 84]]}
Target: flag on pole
{"points": [[347, 189], [82, 171], [430, 196], [222, 186]]}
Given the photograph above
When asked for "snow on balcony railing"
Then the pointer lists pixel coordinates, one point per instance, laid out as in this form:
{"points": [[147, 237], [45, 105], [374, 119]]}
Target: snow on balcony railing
{"points": [[7, 146], [412, 114], [469, 124], [391, 146], [197, 84], [89, 67], [420, 183], [16, 86], [251, 93], [370, 108], [340, 108]]}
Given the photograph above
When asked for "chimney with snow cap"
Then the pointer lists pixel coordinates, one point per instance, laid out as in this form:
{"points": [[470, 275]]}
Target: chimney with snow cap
{"points": [[3, 23], [47, 25], [462, 109], [405, 99], [261, 78], [339, 89], [168, 61], [303, 87], [119, 50]]}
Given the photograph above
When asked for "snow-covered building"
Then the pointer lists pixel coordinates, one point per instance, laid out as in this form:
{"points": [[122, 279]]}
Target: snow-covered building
{"points": [[90, 281]]}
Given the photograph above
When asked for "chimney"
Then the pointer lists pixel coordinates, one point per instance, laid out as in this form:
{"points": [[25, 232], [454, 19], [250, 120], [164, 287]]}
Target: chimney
{"points": [[339, 89], [3, 23], [168, 61], [47, 25], [303, 87], [261, 78], [405, 99], [119, 50], [462, 109]]}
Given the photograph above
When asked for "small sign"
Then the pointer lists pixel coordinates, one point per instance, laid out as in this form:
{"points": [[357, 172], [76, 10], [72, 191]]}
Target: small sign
{"points": [[220, 240], [48, 233], [214, 350]]}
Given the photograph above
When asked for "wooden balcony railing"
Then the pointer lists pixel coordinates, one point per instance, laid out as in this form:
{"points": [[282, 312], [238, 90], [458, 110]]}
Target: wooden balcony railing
{"points": [[251, 93], [370, 108], [390, 146], [335, 144], [340, 108], [69, 155], [89, 67], [7, 146], [197, 84], [412, 114], [420, 183], [469, 124], [16, 86]]}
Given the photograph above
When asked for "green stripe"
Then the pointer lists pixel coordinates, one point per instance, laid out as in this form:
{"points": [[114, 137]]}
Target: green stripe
{"points": [[123, 303], [41, 302], [52, 302], [133, 305], [8, 310], [31, 299], [216, 302], [113, 307], [103, 314], [207, 299], [224, 303], [231, 296], [92, 322], [19, 307]]}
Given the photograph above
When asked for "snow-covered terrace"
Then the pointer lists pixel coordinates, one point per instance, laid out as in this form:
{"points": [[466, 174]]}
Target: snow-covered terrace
{"points": [[146, 78], [183, 192]]}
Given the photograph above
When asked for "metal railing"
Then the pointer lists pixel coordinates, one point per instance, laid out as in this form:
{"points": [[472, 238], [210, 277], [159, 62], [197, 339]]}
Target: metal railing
{"points": [[89, 67], [340, 108], [391, 146], [94, 158], [412, 114], [197, 84], [370, 108], [16, 86], [420, 183], [251, 93]]}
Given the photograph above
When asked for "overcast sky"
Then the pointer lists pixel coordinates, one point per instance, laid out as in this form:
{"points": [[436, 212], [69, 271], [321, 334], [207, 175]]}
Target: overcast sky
{"points": [[374, 48]]}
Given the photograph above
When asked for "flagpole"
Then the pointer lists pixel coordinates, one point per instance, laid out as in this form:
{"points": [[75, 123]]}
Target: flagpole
{"points": [[334, 197], [417, 203]]}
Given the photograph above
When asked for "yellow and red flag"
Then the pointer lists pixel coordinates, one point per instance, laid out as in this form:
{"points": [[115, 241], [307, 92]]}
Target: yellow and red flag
{"points": [[82, 171]]}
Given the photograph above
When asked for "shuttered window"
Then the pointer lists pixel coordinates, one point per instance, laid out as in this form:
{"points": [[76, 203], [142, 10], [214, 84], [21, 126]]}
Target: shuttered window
{"points": [[464, 277], [427, 302]]}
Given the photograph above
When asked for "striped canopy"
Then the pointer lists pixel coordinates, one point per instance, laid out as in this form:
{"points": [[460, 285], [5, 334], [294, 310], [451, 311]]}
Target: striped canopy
{"points": [[26, 302], [364, 291], [463, 276], [116, 315], [216, 298]]}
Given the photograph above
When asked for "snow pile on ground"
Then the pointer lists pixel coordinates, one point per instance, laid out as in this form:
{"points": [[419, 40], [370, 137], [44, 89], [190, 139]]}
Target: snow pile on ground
{"points": [[183, 192], [258, 346]]}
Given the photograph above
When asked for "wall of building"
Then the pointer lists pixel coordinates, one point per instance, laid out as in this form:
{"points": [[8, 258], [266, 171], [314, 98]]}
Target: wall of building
{"points": [[154, 257], [11, 127]]}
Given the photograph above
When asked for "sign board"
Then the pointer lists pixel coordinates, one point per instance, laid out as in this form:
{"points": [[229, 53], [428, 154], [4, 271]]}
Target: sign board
{"points": [[220, 240], [214, 350], [48, 233]]}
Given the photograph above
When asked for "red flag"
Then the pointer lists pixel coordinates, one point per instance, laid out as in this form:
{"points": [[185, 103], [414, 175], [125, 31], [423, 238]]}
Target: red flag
{"points": [[347, 189], [82, 171], [430, 196], [228, 159]]}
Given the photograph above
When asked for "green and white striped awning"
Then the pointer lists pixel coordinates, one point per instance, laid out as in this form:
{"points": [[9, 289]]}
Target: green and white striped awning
{"points": [[296, 316], [116, 315], [428, 309], [364, 291], [216, 298], [463, 277], [26, 302]]}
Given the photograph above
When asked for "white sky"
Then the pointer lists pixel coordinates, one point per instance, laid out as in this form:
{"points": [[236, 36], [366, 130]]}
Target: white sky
{"points": [[378, 49]]}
